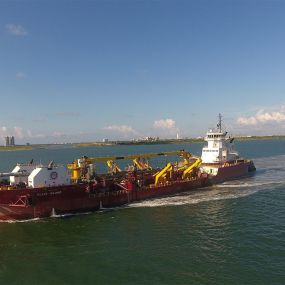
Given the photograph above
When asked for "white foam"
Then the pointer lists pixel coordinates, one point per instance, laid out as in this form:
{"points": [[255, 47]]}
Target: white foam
{"points": [[20, 221], [69, 215], [272, 175], [247, 185], [189, 200]]}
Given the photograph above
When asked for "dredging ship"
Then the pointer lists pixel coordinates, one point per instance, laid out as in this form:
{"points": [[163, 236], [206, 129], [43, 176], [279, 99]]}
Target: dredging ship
{"points": [[36, 191]]}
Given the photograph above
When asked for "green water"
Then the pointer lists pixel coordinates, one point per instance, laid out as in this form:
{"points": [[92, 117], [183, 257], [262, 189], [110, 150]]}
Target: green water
{"points": [[232, 233]]}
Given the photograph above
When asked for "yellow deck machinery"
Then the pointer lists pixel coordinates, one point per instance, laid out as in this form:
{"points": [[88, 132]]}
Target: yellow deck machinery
{"points": [[84, 168], [188, 166]]}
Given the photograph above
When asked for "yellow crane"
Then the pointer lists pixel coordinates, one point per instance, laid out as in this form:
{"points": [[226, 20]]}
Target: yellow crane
{"points": [[141, 163], [80, 166], [189, 169], [161, 175], [113, 167]]}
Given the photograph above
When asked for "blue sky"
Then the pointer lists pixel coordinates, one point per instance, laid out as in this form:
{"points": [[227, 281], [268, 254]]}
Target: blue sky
{"points": [[87, 70]]}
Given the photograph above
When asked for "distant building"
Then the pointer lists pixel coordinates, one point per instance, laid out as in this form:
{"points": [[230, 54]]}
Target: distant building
{"points": [[151, 139], [12, 141], [105, 140], [9, 141]]}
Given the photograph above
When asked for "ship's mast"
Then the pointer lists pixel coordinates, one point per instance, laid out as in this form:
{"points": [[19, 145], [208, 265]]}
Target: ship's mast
{"points": [[219, 125]]}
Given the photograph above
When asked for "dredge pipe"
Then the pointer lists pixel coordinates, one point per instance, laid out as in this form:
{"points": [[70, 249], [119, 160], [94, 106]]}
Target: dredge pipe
{"points": [[16, 174]]}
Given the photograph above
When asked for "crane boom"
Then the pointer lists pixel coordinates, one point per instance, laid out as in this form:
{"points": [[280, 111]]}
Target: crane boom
{"points": [[134, 156], [141, 164], [113, 167], [161, 174], [189, 169]]}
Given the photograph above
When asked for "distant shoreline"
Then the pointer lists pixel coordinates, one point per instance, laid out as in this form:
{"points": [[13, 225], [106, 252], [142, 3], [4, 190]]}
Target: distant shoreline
{"points": [[114, 143]]}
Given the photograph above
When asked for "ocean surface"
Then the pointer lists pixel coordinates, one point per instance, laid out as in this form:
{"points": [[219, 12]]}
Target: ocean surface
{"points": [[233, 233]]}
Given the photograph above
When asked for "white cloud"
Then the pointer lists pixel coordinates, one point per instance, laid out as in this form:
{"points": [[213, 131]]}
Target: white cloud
{"points": [[19, 133], [20, 75], [29, 133], [26, 135], [165, 124], [4, 132], [246, 121], [16, 30], [58, 134], [123, 129], [263, 117], [166, 128]]}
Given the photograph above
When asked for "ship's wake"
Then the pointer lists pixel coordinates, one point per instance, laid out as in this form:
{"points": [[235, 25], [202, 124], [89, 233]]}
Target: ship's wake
{"points": [[269, 176], [53, 215], [20, 221]]}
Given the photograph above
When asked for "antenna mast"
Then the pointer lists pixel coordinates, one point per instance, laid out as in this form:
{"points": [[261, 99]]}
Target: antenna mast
{"points": [[219, 125]]}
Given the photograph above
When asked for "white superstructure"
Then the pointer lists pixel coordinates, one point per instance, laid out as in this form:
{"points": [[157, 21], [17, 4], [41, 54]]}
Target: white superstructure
{"points": [[219, 148], [44, 176], [22, 171]]}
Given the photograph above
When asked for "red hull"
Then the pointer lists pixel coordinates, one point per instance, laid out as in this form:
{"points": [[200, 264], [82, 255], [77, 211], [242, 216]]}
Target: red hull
{"points": [[38, 203], [233, 171]]}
